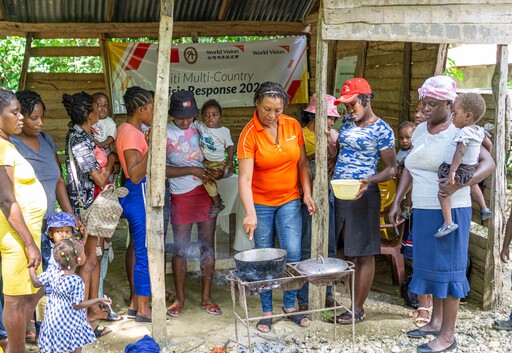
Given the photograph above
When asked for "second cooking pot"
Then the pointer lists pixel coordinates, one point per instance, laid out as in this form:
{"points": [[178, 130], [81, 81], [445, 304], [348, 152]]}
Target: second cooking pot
{"points": [[260, 264], [321, 266]]}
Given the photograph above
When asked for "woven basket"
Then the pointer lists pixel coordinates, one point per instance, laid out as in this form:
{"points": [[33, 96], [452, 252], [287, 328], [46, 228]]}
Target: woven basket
{"points": [[345, 189]]}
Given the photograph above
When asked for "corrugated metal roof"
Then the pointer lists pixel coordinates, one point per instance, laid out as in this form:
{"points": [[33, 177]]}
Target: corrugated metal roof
{"points": [[93, 11]]}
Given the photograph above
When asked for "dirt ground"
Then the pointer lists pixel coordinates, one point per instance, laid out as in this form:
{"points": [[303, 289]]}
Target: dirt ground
{"points": [[198, 331]]}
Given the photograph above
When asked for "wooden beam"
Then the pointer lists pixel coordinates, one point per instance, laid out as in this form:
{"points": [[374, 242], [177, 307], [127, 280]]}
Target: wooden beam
{"points": [[442, 56], [429, 14], [320, 222], [156, 176], [361, 60], [331, 67], [24, 65], [2, 11], [150, 29], [493, 274], [65, 51], [422, 32], [223, 10], [405, 89], [110, 10], [105, 59]]}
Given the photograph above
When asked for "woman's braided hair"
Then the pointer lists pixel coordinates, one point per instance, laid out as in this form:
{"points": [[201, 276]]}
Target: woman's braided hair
{"points": [[66, 253], [136, 97], [28, 100], [271, 89], [6, 96], [78, 106]]}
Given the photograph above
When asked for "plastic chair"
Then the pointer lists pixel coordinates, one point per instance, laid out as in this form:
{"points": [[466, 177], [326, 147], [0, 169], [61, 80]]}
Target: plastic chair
{"points": [[391, 235]]}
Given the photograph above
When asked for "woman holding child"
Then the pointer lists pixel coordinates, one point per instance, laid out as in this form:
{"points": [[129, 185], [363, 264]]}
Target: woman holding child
{"points": [[190, 202], [439, 264], [83, 173]]}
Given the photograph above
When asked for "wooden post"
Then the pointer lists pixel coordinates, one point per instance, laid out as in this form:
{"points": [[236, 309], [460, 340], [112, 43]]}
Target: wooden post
{"points": [[105, 59], [405, 90], [320, 223], [442, 56], [361, 60], [493, 275], [156, 175], [26, 59]]}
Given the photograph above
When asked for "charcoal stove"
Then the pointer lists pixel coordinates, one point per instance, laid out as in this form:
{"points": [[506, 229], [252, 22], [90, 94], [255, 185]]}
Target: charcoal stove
{"points": [[292, 279]]}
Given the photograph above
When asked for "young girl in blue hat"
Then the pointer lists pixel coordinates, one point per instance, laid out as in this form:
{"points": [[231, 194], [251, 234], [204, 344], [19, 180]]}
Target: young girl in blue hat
{"points": [[65, 327]]}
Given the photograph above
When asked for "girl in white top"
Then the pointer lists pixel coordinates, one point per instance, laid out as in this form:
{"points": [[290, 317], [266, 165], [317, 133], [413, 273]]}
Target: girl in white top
{"points": [[461, 157]]}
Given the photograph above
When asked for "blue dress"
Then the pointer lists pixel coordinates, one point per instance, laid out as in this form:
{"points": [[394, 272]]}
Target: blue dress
{"points": [[64, 329]]}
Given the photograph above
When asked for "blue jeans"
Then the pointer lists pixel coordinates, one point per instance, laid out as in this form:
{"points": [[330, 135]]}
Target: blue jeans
{"points": [[286, 221], [303, 293]]}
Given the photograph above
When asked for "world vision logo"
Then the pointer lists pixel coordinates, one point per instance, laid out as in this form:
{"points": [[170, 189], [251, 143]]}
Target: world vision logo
{"points": [[280, 50], [190, 55]]}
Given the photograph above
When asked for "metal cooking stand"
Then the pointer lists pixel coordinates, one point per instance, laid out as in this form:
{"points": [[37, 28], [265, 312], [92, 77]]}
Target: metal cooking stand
{"points": [[291, 280]]}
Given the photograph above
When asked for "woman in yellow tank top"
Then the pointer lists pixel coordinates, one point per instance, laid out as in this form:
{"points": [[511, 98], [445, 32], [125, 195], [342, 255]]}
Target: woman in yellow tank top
{"points": [[23, 205]]}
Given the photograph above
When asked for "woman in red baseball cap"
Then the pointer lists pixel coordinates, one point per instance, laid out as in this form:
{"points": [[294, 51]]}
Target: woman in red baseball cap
{"points": [[364, 139]]}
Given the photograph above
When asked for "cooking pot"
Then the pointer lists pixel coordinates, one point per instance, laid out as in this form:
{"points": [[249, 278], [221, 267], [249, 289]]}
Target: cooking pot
{"points": [[260, 264], [321, 266]]}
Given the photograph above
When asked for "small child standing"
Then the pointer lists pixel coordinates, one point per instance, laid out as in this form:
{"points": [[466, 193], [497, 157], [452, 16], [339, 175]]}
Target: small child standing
{"points": [[461, 158], [65, 327], [215, 140], [60, 226]]}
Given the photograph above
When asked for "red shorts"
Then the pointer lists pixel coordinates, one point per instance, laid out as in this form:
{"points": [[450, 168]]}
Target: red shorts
{"points": [[190, 207]]}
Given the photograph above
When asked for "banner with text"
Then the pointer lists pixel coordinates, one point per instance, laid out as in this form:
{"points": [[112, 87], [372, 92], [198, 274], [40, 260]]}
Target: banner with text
{"points": [[227, 72]]}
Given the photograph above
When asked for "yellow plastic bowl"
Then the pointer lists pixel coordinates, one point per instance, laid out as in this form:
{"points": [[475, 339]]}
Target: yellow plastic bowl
{"points": [[345, 189]]}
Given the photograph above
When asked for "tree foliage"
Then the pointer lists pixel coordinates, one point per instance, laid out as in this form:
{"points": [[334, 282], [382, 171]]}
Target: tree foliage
{"points": [[12, 50]]}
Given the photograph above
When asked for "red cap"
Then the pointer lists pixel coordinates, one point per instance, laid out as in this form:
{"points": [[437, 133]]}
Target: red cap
{"points": [[352, 88]]}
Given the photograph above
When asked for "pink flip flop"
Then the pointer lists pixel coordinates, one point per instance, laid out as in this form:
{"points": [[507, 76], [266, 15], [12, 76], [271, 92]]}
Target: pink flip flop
{"points": [[213, 309]]}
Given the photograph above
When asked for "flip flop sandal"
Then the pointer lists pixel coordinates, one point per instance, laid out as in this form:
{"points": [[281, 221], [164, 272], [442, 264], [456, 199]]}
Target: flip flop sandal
{"points": [[131, 313], [113, 317], [422, 321], [30, 335], [331, 303], [101, 331], [346, 318], [142, 319], [174, 311], [297, 318], [265, 323], [213, 309], [503, 325]]}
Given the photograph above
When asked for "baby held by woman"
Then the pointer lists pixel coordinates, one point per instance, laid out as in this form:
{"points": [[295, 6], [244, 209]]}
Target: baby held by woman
{"points": [[461, 158]]}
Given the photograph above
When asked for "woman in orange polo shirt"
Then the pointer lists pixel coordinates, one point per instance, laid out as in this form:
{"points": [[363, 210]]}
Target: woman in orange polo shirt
{"points": [[271, 161]]}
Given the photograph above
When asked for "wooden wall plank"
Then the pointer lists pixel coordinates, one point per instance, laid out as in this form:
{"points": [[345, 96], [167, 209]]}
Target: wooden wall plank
{"points": [[347, 4], [405, 87], [425, 33], [429, 14], [65, 51]]}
